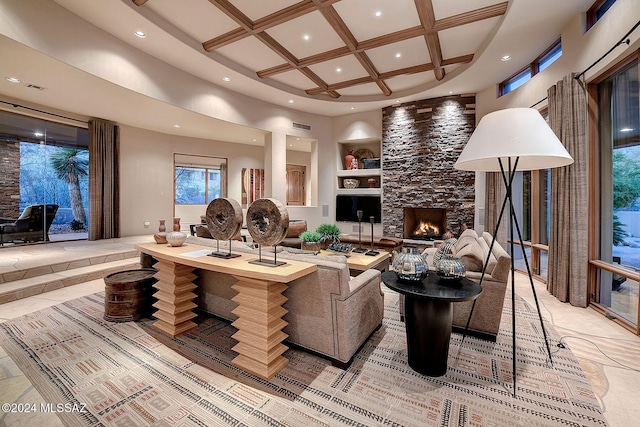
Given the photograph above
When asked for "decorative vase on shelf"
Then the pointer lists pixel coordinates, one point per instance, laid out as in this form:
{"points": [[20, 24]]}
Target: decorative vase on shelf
{"points": [[348, 160], [162, 227], [176, 224], [176, 238], [409, 265], [372, 182]]}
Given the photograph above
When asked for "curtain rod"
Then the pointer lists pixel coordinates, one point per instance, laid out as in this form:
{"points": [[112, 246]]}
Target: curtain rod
{"points": [[624, 39], [15, 105], [539, 102]]}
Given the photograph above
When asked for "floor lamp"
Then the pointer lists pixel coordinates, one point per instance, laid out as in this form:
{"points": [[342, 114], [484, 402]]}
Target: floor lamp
{"points": [[506, 141]]}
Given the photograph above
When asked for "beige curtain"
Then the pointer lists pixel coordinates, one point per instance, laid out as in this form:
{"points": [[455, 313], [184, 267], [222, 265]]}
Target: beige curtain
{"points": [[568, 241], [494, 197], [104, 209]]}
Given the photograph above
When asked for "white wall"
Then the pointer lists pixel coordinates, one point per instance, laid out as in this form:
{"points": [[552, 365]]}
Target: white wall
{"points": [[146, 175]]}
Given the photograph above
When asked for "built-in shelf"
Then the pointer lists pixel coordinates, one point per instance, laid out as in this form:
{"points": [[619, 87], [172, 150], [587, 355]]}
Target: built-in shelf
{"points": [[357, 173], [373, 146], [360, 191]]}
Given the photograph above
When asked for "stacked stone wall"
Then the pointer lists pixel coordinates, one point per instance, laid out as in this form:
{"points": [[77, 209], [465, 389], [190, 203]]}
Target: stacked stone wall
{"points": [[421, 142], [9, 177]]}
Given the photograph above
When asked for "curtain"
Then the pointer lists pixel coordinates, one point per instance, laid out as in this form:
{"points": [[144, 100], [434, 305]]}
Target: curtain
{"points": [[494, 197], [104, 183], [568, 241]]}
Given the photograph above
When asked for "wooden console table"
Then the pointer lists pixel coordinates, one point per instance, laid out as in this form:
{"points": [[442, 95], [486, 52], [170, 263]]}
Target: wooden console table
{"points": [[259, 300]]}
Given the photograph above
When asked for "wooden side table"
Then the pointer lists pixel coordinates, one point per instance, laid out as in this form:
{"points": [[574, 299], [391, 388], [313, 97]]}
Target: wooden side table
{"points": [[428, 317]]}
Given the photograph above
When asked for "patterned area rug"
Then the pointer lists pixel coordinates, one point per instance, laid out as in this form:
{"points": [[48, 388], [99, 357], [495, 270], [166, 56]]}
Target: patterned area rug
{"points": [[126, 374]]}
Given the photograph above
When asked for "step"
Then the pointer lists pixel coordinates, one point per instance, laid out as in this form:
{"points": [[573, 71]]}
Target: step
{"points": [[36, 270], [23, 288]]}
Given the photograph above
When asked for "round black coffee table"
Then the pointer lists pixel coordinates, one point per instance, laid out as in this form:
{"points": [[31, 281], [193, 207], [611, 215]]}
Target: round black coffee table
{"points": [[428, 316]]}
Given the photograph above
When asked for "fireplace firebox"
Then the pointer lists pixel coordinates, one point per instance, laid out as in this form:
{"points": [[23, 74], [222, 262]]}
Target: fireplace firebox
{"points": [[424, 223]]}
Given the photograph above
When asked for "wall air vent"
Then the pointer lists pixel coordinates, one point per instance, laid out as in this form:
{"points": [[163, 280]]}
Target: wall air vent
{"points": [[301, 126], [32, 86]]}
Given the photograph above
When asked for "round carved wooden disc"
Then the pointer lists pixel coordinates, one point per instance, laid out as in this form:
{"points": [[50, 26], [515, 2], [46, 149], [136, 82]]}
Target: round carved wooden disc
{"points": [[224, 218], [267, 221]]}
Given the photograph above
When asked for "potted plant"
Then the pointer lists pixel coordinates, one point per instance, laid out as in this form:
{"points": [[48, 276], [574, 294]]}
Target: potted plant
{"points": [[329, 233], [310, 241]]}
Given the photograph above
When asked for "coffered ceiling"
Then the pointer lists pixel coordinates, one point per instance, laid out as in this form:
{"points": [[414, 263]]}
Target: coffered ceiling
{"points": [[346, 51], [328, 47]]}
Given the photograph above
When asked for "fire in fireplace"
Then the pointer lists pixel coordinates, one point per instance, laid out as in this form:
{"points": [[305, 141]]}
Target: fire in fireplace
{"points": [[424, 223]]}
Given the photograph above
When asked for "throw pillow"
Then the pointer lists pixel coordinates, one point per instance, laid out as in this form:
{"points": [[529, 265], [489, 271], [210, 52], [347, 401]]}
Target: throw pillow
{"points": [[471, 255], [467, 237]]}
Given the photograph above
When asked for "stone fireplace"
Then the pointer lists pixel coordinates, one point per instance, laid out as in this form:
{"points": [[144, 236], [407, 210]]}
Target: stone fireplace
{"points": [[424, 223], [421, 141]]}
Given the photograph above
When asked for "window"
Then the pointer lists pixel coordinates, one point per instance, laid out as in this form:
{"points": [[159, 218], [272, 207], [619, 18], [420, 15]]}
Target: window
{"points": [[545, 59], [532, 208], [617, 266], [550, 56], [597, 11], [199, 180], [516, 81]]}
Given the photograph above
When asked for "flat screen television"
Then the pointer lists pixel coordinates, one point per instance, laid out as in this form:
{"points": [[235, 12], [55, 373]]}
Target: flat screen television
{"points": [[347, 207]]}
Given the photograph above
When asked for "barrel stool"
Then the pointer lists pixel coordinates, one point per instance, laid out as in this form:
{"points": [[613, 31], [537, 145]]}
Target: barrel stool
{"points": [[127, 294]]}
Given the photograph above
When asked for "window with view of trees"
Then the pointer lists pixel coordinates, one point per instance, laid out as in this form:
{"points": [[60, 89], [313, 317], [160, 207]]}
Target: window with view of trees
{"points": [[199, 179], [197, 186]]}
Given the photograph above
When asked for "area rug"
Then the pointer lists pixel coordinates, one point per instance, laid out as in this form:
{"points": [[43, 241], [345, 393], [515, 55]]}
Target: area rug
{"points": [[127, 374]]}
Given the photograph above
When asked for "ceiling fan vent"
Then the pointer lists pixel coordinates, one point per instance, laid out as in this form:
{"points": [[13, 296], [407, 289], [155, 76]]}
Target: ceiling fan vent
{"points": [[301, 126], [32, 86]]}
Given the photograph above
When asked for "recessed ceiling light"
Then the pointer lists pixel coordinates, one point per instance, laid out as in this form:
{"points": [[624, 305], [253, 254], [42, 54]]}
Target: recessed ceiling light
{"points": [[226, 79], [353, 108], [297, 139], [13, 79], [450, 92], [140, 34], [254, 140], [626, 129], [176, 126], [290, 101], [398, 55], [338, 70], [378, 13], [306, 37], [505, 58], [397, 101], [38, 134], [290, 145]]}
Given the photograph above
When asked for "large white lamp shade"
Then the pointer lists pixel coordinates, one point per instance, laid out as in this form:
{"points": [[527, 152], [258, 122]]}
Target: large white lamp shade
{"points": [[509, 134]]}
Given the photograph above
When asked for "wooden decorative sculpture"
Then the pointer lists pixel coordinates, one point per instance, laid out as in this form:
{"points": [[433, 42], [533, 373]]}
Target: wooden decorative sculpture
{"points": [[224, 221], [267, 223]]}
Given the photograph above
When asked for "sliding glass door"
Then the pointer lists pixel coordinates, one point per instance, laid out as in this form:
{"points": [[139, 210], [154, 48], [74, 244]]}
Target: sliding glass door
{"points": [[617, 267], [44, 176]]}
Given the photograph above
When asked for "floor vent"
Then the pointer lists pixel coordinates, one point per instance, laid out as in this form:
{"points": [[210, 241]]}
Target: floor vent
{"points": [[301, 126]]}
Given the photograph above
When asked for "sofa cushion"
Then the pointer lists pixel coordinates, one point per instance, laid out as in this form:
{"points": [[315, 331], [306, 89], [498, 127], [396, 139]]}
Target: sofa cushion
{"points": [[485, 251]]}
